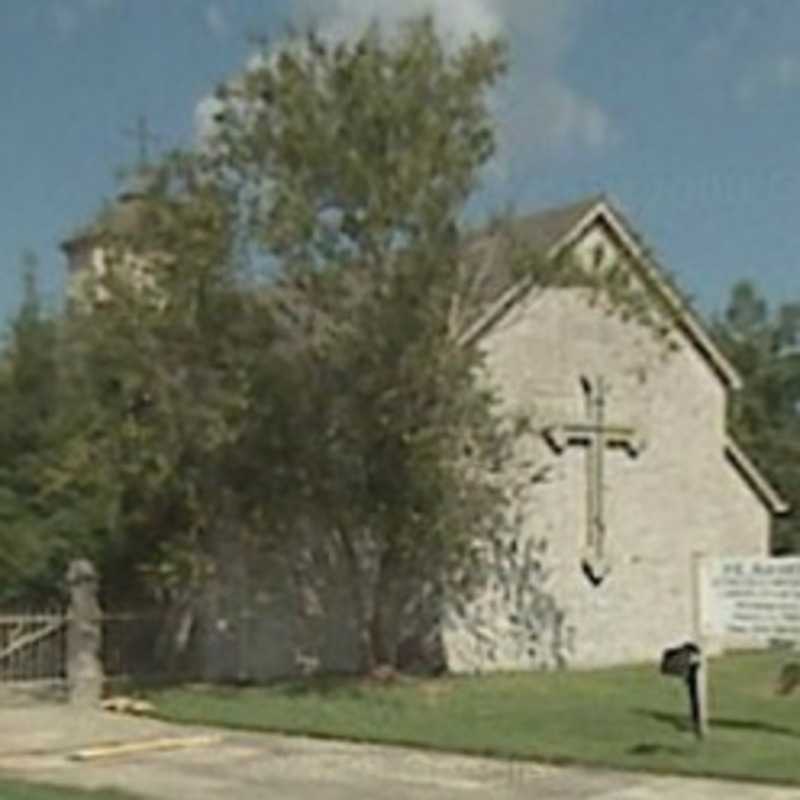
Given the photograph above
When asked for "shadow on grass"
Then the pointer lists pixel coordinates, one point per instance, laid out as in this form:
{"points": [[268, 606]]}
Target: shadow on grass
{"points": [[321, 686], [342, 685], [681, 722], [348, 685], [648, 749]]}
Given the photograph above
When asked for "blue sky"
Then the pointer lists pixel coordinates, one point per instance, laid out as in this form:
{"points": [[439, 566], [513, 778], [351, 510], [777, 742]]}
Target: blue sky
{"points": [[685, 112]]}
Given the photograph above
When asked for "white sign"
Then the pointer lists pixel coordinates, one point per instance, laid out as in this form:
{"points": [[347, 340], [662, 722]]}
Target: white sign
{"points": [[754, 597]]}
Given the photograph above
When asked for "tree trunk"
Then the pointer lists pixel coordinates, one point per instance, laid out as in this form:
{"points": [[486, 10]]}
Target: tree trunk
{"points": [[383, 639], [367, 657], [379, 639]]}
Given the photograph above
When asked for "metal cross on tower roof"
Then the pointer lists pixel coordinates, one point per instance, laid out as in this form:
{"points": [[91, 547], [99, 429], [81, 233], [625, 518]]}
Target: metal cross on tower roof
{"points": [[144, 137]]}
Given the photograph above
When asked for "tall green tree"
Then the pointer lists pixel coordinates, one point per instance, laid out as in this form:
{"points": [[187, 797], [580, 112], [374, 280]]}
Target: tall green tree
{"points": [[354, 162], [764, 345], [156, 370], [33, 536], [336, 407]]}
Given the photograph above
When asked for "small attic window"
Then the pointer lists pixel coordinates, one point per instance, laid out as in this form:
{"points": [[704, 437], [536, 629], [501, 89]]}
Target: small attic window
{"points": [[598, 254]]}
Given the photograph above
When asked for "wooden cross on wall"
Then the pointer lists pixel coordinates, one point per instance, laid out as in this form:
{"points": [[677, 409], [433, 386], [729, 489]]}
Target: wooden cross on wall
{"points": [[595, 434]]}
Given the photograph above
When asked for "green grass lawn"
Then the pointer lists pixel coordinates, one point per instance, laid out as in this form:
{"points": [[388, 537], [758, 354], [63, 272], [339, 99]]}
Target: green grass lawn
{"points": [[631, 718], [18, 790]]}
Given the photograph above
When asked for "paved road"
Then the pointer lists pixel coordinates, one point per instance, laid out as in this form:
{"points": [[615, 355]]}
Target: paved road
{"points": [[36, 743]]}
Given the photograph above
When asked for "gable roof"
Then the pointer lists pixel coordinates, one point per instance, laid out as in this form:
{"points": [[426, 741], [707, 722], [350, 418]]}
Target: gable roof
{"points": [[544, 229], [553, 231], [123, 217]]}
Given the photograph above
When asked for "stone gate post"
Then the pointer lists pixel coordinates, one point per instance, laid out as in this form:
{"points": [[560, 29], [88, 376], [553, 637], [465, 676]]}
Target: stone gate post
{"points": [[84, 636]]}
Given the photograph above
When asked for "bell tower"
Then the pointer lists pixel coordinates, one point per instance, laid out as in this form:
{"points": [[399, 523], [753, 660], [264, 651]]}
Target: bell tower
{"points": [[86, 250]]}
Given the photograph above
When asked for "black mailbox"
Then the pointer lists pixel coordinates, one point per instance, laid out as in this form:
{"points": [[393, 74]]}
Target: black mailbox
{"points": [[680, 661], [684, 662]]}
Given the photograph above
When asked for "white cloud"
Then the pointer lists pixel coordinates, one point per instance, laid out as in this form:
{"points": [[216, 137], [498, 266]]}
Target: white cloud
{"points": [[456, 18], [540, 114], [755, 65], [778, 73], [569, 117], [216, 21]]}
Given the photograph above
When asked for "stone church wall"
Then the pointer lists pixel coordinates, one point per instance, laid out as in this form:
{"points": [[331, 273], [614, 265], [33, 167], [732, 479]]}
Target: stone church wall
{"points": [[679, 495]]}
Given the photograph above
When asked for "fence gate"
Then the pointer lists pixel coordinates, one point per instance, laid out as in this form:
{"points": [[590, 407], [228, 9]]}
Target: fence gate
{"points": [[33, 652], [68, 653]]}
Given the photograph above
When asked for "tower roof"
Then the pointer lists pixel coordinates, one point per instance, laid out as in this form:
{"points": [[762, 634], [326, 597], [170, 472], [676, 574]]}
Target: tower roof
{"points": [[122, 217]]}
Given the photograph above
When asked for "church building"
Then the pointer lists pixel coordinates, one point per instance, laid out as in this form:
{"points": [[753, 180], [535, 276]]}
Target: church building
{"points": [[638, 472]]}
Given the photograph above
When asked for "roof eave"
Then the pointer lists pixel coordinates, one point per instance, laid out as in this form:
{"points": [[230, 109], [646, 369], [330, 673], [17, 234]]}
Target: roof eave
{"points": [[741, 461], [683, 313]]}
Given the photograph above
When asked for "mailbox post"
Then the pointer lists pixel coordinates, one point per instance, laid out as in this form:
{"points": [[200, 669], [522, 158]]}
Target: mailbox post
{"points": [[686, 662]]}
